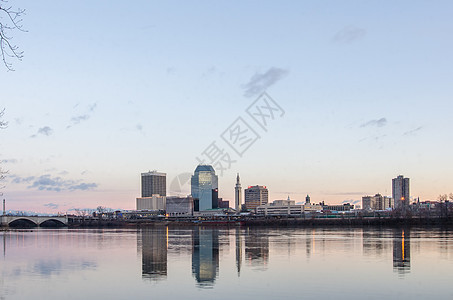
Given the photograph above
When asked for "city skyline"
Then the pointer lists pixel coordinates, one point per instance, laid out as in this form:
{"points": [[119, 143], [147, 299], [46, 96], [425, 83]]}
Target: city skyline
{"points": [[356, 93]]}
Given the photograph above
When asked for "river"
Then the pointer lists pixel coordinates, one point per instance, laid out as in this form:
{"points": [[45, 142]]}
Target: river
{"points": [[226, 263]]}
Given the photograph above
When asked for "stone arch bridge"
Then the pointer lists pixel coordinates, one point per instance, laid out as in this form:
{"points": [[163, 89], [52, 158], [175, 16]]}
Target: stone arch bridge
{"points": [[36, 220]]}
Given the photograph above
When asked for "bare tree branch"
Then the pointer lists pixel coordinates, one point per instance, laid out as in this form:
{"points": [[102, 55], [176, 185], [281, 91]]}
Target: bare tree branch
{"points": [[10, 20], [3, 125]]}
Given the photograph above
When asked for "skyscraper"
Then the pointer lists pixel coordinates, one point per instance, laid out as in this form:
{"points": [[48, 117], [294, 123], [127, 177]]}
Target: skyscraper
{"points": [[237, 195], [204, 185], [154, 183], [255, 196], [400, 192]]}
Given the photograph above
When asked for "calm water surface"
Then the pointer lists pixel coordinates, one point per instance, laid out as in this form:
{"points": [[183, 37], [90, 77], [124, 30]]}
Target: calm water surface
{"points": [[222, 263]]}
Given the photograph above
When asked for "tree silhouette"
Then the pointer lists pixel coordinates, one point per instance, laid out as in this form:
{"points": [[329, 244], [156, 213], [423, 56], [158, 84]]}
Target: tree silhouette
{"points": [[3, 125], [10, 20]]}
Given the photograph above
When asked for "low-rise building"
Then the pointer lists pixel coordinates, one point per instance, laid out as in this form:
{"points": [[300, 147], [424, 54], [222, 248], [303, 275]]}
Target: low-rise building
{"points": [[280, 208], [377, 202], [179, 206], [155, 202], [224, 203], [338, 207], [312, 207]]}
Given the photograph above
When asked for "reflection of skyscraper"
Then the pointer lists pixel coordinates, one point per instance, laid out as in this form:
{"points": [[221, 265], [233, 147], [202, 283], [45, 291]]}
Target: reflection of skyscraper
{"points": [[154, 253], [205, 255], [402, 251], [204, 184], [238, 251], [257, 247]]}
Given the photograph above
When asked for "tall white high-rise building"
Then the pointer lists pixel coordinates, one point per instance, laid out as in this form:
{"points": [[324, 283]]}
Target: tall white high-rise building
{"points": [[237, 195], [400, 192]]}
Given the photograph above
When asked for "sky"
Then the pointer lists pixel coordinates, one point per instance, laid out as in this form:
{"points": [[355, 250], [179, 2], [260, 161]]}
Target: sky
{"points": [[356, 93]]}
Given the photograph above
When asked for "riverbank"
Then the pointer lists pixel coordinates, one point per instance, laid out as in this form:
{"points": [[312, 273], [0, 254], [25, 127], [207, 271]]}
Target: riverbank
{"points": [[272, 222]]}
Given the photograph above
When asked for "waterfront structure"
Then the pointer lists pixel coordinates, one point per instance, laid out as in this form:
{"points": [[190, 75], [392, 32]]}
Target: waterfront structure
{"points": [[377, 202], [400, 192], [237, 195], [9, 220], [179, 206], [338, 207], [155, 202], [311, 207], [154, 183], [204, 188], [255, 196], [280, 208]]}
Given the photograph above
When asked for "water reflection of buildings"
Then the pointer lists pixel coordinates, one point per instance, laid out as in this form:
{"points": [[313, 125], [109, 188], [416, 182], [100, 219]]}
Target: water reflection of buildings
{"points": [[401, 251], [375, 243], [205, 255], [238, 251], [154, 253], [257, 247]]}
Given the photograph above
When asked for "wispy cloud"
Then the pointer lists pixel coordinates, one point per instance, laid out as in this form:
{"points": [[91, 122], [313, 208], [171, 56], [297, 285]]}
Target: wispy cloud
{"points": [[351, 201], [19, 180], [374, 138], [261, 81], [413, 131], [76, 120], [46, 130], [349, 34], [52, 205], [10, 161], [83, 186], [56, 184], [378, 123], [171, 70], [82, 117]]}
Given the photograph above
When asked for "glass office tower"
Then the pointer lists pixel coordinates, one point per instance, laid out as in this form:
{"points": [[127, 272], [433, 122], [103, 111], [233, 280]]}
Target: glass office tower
{"points": [[205, 187]]}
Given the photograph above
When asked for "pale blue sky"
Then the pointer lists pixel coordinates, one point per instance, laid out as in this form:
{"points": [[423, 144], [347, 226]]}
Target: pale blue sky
{"points": [[108, 89]]}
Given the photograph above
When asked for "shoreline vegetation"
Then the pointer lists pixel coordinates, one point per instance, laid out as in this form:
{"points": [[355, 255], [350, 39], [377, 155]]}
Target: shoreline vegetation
{"points": [[256, 222], [275, 222]]}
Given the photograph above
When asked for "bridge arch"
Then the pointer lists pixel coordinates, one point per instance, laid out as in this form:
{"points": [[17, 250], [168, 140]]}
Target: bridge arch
{"points": [[52, 222], [22, 222]]}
